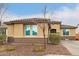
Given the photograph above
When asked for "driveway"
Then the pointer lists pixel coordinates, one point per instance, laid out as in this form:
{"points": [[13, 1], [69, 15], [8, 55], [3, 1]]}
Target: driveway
{"points": [[72, 46]]}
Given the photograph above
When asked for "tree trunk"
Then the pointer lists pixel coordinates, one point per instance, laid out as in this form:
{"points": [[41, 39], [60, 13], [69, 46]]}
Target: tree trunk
{"points": [[44, 38]]}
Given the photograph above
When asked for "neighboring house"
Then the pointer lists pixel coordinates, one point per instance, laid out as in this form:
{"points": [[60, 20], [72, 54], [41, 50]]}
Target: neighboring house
{"points": [[33, 29]]}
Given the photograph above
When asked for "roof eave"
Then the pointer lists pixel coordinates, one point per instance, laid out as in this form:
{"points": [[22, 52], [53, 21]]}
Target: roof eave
{"points": [[69, 28]]}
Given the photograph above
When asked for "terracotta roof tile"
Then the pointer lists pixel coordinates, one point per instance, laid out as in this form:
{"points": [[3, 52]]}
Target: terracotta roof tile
{"points": [[67, 27], [39, 20], [55, 22], [31, 20]]}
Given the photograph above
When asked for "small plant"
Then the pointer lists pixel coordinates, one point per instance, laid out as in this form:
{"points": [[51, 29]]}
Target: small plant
{"points": [[54, 38], [2, 48], [11, 48], [2, 38], [38, 48], [7, 48]]}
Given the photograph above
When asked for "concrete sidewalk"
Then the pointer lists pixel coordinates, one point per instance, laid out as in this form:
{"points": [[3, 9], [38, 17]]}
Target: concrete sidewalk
{"points": [[72, 46]]}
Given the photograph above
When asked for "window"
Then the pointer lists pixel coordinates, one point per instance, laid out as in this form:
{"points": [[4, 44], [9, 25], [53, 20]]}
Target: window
{"points": [[34, 29], [53, 30], [65, 32], [27, 30]]}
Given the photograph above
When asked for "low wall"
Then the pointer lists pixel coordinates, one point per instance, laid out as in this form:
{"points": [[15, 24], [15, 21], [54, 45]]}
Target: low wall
{"points": [[28, 40]]}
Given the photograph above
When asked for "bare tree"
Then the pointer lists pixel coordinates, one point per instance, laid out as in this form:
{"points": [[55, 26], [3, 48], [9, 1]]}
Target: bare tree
{"points": [[3, 8], [43, 27], [45, 10]]}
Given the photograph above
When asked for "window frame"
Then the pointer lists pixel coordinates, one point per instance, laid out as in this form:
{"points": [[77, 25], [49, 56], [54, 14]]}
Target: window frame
{"points": [[34, 30], [66, 32], [53, 31], [26, 29]]}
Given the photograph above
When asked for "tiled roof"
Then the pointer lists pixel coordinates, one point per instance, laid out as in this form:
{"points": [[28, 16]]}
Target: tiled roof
{"points": [[67, 27], [31, 20], [55, 22], [39, 20]]}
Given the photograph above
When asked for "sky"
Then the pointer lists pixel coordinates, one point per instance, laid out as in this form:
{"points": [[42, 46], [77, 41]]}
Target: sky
{"points": [[67, 13], [37, 8]]}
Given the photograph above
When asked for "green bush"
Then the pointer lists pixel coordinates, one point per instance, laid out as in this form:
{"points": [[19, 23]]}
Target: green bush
{"points": [[2, 38], [54, 38]]}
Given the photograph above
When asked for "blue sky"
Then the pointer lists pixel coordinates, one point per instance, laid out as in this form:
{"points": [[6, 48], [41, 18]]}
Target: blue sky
{"points": [[64, 12], [35, 8], [67, 13]]}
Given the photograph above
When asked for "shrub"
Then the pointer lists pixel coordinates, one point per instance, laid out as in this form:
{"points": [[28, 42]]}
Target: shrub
{"points": [[54, 38], [11, 48], [2, 38], [38, 48]]}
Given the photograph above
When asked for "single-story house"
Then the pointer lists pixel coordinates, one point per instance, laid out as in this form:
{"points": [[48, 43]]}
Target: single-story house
{"points": [[32, 28]]}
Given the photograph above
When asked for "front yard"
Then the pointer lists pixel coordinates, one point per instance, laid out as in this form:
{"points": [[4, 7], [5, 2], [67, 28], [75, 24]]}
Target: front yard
{"points": [[26, 50], [32, 48]]}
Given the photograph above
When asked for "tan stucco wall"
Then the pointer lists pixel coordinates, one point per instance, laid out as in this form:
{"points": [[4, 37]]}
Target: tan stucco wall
{"points": [[40, 30], [72, 32], [56, 26], [10, 30], [18, 31]]}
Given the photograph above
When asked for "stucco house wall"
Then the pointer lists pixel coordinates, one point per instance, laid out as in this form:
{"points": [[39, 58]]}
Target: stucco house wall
{"points": [[71, 36], [40, 30], [72, 32], [18, 31], [10, 30], [56, 26]]}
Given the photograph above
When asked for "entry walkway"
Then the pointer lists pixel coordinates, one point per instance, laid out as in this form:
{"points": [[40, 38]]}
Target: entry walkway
{"points": [[72, 46]]}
